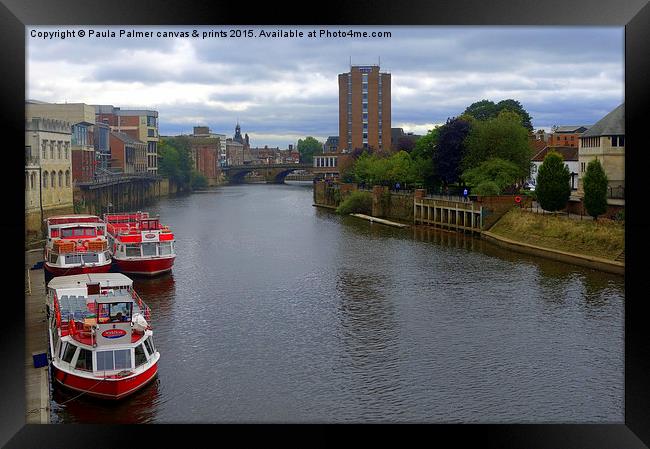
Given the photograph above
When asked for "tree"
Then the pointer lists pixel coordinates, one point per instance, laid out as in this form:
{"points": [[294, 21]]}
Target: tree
{"points": [[497, 172], [501, 137], [450, 149], [517, 108], [307, 148], [486, 109], [553, 188], [595, 186], [405, 143], [482, 110], [175, 160]]}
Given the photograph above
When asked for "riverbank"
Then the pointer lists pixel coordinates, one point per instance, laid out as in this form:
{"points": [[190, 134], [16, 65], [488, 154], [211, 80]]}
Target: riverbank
{"points": [[599, 245]]}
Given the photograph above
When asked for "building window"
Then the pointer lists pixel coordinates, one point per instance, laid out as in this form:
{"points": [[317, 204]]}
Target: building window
{"points": [[618, 141], [65, 151], [32, 180], [582, 167], [53, 179], [67, 178], [46, 178], [59, 144], [60, 178], [44, 148]]}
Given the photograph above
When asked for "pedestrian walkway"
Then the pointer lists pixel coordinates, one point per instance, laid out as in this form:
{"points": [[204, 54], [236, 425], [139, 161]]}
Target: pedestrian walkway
{"points": [[37, 386]]}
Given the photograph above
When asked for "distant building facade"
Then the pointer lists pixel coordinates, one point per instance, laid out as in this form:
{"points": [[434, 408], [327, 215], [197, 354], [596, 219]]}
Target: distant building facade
{"points": [[401, 140], [82, 119], [364, 109], [128, 155], [48, 172], [605, 141], [566, 136], [140, 124]]}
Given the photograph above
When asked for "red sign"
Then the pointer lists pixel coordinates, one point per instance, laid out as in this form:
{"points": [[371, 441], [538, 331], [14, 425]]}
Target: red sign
{"points": [[517, 199], [114, 333], [149, 236]]}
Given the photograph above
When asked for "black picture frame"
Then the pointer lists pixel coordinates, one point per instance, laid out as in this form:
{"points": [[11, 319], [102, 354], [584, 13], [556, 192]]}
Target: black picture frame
{"points": [[634, 15]]}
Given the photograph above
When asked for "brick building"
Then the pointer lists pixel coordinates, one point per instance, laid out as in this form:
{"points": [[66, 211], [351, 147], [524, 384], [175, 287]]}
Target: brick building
{"points": [[566, 136], [364, 109], [140, 124], [128, 155]]}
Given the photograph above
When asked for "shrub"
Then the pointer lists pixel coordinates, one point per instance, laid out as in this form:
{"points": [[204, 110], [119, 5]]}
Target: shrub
{"points": [[358, 202], [198, 181]]}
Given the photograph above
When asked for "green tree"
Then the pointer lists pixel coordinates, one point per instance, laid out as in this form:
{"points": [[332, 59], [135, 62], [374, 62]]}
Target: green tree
{"points": [[553, 188], [175, 160], [595, 186], [450, 149], [486, 109], [501, 137], [497, 171], [307, 148]]}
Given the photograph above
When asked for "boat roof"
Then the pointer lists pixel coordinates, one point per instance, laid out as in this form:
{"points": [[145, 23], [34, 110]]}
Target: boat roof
{"points": [[76, 280]]}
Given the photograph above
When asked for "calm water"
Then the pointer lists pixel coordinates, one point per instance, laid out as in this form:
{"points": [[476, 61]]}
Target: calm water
{"points": [[277, 311]]}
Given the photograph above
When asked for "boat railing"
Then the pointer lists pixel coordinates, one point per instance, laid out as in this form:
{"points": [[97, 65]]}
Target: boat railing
{"points": [[143, 308]]}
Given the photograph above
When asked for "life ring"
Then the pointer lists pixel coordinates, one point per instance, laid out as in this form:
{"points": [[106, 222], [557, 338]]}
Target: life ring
{"points": [[517, 199]]}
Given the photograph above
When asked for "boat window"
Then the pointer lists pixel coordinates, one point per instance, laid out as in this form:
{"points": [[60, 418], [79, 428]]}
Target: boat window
{"points": [[107, 255], [78, 232], [66, 232], [149, 344], [140, 356], [54, 233], [120, 312], [122, 358], [132, 250], [102, 313], [149, 249], [84, 360], [105, 360], [73, 258], [68, 352], [90, 258], [109, 360], [54, 258], [165, 248]]}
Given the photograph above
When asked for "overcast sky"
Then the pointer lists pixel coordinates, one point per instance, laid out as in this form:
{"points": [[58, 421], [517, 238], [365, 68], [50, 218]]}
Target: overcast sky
{"points": [[283, 89]]}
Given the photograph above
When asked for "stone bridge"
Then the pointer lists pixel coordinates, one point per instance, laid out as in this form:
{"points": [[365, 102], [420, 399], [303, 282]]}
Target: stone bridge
{"points": [[272, 173]]}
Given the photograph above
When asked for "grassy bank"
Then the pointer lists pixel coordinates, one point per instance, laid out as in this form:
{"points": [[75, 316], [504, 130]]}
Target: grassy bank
{"points": [[604, 238]]}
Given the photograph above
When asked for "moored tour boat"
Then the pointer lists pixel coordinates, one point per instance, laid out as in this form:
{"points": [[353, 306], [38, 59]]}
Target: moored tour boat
{"points": [[139, 244], [100, 337], [75, 244]]}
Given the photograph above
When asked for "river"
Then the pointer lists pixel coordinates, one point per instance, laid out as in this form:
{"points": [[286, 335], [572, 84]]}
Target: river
{"points": [[277, 311]]}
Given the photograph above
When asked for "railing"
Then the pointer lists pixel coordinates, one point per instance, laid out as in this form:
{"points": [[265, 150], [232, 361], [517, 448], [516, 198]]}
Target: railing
{"points": [[616, 192]]}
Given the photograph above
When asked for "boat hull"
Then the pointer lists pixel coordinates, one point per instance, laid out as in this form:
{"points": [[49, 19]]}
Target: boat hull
{"points": [[144, 267], [105, 388], [59, 271]]}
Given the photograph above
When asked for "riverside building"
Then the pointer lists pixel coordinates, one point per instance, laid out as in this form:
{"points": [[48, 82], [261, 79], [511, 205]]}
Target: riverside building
{"points": [[364, 109]]}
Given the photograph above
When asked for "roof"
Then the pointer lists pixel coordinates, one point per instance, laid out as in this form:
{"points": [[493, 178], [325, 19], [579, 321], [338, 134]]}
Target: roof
{"points": [[572, 128], [126, 138], [76, 280], [537, 145], [611, 125], [567, 153]]}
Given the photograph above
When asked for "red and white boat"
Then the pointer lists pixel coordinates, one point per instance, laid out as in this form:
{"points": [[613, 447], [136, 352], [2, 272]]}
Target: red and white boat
{"points": [[76, 244], [100, 337], [139, 244]]}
